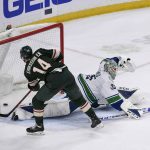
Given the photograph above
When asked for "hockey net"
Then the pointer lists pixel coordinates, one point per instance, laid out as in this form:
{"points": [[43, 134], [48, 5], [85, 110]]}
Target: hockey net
{"points": [[46, 36]]}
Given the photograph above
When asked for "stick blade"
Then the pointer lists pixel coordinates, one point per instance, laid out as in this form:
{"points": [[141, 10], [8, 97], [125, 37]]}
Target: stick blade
{"points": [[4, 115]]}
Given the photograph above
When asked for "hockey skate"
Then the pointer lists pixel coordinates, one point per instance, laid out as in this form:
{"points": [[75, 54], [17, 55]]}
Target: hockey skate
{"points": [[96, 123], [35, 130]]}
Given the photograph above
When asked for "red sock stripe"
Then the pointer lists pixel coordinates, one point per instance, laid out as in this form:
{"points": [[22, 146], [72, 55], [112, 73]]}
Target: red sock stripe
{"points": [[86, 107], [38, 111], [83, 106]]}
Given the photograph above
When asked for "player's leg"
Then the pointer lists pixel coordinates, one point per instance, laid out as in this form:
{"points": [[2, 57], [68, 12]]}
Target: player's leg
{"points": [[38, 100], [74, 94], [54, 83]]}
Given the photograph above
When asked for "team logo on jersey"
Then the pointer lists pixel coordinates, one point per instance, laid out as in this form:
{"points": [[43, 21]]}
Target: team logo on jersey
{"points": [[112, 86]]}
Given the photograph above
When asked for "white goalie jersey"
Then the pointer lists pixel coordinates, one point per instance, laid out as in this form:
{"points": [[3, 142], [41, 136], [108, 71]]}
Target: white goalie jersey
{"points": [[97, 87], [100, 87]]}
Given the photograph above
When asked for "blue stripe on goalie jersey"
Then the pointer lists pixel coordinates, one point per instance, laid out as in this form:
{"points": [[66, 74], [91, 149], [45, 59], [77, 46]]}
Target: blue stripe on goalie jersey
{"points": [[87, 91], [115, 101], [126, 94]]}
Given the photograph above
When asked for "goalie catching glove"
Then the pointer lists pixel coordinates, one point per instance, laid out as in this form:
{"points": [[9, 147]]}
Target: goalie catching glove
{"points": [[126, 64]]}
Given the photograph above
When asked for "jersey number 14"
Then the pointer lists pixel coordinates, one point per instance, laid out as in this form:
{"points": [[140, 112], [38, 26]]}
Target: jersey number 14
{"points": [[45, 66]]}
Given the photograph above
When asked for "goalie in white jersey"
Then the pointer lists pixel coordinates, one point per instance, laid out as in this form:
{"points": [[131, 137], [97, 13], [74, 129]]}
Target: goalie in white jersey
{"points": [[99, 89]]}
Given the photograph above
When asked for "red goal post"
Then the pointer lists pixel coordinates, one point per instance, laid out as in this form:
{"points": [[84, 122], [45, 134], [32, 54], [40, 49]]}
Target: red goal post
{"points": [[37, 36]]}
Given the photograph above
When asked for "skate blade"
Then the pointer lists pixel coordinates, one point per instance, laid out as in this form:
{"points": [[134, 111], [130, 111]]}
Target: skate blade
{"points": [[99, 126], [135, 117], [36, 133]]}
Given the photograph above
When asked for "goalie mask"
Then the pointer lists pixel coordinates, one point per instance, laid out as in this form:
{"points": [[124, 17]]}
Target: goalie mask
{"points": [[26, 53], [111, 67]]}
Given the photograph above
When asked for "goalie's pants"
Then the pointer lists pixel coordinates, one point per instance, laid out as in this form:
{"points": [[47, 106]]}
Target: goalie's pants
{"points": [[55, 82]]}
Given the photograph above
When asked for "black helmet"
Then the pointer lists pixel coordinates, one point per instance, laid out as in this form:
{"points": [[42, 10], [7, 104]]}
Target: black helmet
{"points": [[26, 53]]}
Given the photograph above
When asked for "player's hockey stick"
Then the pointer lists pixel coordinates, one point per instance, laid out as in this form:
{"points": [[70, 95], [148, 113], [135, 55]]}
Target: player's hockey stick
{"points": [[6, 115], [145, 110]]}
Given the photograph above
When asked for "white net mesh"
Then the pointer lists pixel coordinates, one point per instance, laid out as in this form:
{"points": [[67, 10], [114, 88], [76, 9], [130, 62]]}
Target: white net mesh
{"points": [[10, 61], [6, 84]]}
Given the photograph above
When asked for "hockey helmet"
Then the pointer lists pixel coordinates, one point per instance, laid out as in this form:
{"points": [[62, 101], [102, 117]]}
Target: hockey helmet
{"points": [[111, 67], [26, 53]]}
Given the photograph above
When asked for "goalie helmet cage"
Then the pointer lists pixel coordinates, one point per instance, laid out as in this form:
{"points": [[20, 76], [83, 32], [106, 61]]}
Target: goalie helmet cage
{"points": [[41, 36]]}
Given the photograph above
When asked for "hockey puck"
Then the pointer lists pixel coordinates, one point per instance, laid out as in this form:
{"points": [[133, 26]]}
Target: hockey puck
{"points": [[5, 104]]}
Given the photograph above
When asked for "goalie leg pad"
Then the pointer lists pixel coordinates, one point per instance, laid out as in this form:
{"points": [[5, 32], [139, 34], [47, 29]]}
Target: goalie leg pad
{"points": [[126, 92], [134, 113], [131, 110], [137, 97], [134, 95]]}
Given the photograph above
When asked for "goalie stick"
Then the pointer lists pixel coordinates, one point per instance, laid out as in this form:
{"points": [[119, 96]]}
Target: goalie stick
{"points": [[6, 115], [145, 110]]}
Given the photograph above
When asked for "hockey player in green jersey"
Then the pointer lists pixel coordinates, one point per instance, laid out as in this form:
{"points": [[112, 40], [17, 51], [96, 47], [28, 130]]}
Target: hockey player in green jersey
{"points": [[45, 65]]}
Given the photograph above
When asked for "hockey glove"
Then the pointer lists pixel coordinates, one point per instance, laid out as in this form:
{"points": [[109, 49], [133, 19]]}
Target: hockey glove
{"points": [[34, 88], [126, 64]]}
